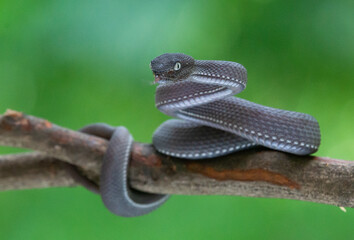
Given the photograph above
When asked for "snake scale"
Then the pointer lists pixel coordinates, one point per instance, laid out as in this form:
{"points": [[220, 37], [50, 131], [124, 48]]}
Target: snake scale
{"points": [[212, 122]]}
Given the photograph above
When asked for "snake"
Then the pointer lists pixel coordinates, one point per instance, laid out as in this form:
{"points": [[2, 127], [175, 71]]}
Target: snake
{"points": [[209, 121]]}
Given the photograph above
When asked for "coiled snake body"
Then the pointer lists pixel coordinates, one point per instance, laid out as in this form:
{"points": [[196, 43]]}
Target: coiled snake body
{"points": [[214, 123]]}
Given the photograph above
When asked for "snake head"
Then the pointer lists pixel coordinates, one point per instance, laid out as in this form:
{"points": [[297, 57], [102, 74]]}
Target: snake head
{"points": [[172, 67]]}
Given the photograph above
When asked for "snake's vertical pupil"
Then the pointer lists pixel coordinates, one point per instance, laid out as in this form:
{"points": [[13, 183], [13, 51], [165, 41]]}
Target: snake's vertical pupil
{"points": [[177, 66]]}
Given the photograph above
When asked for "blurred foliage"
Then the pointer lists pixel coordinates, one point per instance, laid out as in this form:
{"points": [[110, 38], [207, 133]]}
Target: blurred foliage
{"points": [[78, 62]]}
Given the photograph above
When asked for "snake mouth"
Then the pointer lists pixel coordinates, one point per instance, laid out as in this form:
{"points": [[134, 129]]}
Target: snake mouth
{"points": [[157, 77], [161, 77]]}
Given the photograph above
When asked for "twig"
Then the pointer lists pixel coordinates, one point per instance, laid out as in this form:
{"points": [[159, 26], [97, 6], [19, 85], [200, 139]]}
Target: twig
{"points": [[256, 173]]}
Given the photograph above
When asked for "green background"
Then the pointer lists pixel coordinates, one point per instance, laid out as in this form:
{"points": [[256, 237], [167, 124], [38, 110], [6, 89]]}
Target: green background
{"points": [[78, 62]]}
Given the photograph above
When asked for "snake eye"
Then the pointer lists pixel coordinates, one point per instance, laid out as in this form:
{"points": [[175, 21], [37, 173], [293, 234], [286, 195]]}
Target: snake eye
{"points": [[177, 66]]}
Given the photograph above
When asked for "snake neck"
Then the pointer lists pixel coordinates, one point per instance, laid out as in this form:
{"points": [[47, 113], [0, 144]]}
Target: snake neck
{"points": [[220, 72]]}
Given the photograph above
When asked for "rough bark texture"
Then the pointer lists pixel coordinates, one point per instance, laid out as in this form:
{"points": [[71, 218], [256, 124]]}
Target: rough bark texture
{"points": [[257, 173], [33, 170]]}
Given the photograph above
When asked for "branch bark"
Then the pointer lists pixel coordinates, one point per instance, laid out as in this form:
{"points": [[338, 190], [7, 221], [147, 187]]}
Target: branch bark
{"points": [[33, 170], [255, 173]]}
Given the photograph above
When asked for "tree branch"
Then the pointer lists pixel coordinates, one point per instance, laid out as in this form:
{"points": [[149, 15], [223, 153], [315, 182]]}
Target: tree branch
{"points": [[256, 173], [33, 170]]}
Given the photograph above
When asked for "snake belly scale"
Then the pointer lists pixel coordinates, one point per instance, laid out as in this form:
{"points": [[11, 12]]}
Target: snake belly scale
{"points": [[212, 122]]}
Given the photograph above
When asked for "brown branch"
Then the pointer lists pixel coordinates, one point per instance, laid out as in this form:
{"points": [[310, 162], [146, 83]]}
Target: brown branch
{"points": [[256, 173], [33, 170]]}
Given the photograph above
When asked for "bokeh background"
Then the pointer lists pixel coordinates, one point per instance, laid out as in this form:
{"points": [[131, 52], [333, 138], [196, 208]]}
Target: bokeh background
{"points": [[78, 62]]}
